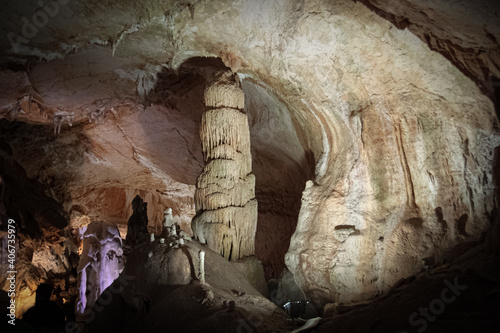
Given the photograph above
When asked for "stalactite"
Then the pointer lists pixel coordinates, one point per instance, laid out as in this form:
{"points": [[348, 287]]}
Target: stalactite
{"points": [[222, 93], [225, 191], [224, 127]]}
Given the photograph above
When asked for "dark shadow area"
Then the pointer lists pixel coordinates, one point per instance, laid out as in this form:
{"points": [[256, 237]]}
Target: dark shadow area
{"points": [[170, 123], [461, 224], [440, 217], [281, 165], [23, 199], [493, 235]]}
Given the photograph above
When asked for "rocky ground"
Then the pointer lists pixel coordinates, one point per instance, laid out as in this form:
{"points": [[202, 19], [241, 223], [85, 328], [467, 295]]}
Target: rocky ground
{"points": [[460, 296], [161, 289]]}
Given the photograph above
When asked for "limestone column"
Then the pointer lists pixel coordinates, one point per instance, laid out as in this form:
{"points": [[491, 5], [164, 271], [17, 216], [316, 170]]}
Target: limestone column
{"points": [[226, 208]]}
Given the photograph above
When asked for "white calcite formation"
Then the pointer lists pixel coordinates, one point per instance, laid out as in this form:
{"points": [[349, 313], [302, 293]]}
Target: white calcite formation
{"points": [[225, 191], [201, 268], [100, 264], [168, 218]]}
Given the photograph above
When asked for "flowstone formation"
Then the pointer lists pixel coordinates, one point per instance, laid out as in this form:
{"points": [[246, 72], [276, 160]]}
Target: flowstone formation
{"points": [[176, 283], [226, 208], [100, 264]]}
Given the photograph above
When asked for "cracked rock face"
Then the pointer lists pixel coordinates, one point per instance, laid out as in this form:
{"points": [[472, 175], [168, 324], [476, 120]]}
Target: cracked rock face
{"points": [[465, 32], [369, 147]]}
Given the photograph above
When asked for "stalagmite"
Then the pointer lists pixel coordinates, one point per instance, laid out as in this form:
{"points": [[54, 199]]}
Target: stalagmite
{"points": [[169, 220], [226, 208], [169, 226], [201, 270], [100, 264]]}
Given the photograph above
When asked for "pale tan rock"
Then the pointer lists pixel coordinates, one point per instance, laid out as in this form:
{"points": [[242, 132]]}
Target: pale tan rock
{"points": [[455, 30], [396, 141], [225, 127], [223, 231], [225, 202], [224, 95], [225, 193]]}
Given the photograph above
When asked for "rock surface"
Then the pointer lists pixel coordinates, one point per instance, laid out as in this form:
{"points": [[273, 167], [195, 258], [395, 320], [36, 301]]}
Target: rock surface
{"points": [[100, 264], [460, 296], [159, 289], [464, 32], [226, 209], [382, 144]]}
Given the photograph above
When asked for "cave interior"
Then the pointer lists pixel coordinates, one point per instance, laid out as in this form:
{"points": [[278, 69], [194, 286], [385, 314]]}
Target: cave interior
{"points": [[251, 165]]}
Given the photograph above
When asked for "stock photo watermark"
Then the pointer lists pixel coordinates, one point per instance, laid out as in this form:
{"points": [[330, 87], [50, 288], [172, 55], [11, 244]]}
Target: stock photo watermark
{"points": [[11, 272], [31, 26], [420, 319]]}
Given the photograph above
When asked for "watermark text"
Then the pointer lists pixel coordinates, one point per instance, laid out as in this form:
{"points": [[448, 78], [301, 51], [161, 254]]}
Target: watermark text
{"points": [[11, 272]]}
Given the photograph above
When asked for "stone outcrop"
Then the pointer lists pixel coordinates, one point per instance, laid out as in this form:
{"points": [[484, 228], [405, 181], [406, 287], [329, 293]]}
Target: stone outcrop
{"points": [[160, 287], [100, 264], [225, 201], [137, 227], [463, 31]]}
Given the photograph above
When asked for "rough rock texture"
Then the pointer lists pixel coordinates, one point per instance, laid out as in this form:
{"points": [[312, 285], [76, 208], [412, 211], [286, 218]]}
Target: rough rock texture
{"points": [[465, 32], [159, 290], [226, 209], [51, 257], [100, 264], [24, 200], [97, 168], [44, 250], [252, 268], [281, 164], [461, 296], [396, 142]]}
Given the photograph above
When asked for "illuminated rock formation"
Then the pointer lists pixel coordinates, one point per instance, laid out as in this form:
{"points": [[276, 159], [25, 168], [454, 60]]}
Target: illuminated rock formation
{"points": [[225, 191], [100, 264], [389, 145]]}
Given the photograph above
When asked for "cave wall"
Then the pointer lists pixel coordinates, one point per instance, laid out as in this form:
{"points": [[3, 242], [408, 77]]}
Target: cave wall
{"points": [[395, 140], [97, 166], [282, 165], [402, 139], [464, 32]]}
